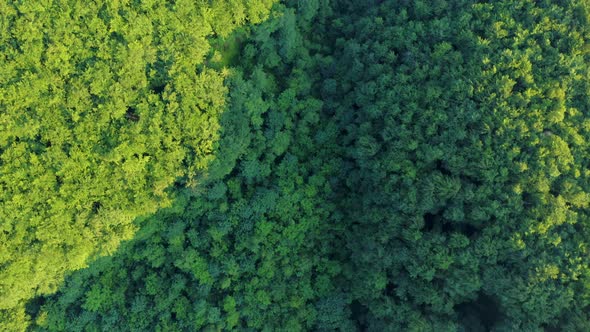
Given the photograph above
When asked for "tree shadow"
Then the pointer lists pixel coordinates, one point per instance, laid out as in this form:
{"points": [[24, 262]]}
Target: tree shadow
{"points": [[481, 314], [239, 235]]}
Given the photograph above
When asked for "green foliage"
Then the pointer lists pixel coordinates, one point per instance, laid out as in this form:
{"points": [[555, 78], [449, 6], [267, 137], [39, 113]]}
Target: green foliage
{"points": [[104, 106], [343, 165], [463, 153]]}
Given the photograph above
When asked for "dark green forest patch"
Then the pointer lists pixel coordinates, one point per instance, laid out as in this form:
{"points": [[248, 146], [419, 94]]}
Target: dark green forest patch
{"points": [[225, 52]]}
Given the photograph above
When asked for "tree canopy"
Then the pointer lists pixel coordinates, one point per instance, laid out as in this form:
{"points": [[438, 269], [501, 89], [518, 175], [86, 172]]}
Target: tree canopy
{"points": [[309, 165], [104, 106]]}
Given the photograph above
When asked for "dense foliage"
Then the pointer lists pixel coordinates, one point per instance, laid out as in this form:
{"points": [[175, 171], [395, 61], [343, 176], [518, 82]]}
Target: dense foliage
{"points": [[104, 105], [373, 165]]}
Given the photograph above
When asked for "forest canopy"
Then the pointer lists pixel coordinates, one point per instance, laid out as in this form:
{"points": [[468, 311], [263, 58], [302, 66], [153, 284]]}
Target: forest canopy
{"points": [[309, 165]]}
